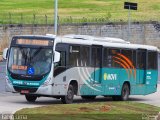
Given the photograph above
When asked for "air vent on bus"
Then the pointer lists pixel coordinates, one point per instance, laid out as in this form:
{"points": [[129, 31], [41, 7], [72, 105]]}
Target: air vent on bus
{"points": [[99, 39], [109, 39], [84, 37]]}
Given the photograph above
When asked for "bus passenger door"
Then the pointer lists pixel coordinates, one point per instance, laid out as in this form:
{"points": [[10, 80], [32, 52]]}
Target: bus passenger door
{"points": [[141, 66], [97, 63], [60, 67]]}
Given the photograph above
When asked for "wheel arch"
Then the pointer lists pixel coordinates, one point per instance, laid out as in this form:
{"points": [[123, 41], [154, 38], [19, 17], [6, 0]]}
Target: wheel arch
{"points": [[74, 83], [128, 83]]}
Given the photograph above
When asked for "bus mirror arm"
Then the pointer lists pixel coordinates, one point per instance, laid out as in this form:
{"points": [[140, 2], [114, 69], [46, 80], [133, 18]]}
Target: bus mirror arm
{"points": [[56, 57], [5, 51]]}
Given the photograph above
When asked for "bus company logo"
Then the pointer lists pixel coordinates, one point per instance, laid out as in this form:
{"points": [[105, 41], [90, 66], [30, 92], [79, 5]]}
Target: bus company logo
{"points": [[110, 76], [126, 63]]}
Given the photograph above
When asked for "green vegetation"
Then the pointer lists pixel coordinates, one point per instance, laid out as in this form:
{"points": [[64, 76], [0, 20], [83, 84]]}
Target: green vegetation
{"points": [[90, 111], [33, 11]]}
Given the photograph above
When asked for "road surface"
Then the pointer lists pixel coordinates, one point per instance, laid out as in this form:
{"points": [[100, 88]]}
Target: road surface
{"points": [[10, 103]]}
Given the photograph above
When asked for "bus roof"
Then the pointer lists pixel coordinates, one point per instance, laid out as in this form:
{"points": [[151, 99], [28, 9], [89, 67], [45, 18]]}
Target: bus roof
{"points": [[91, 40], [104, 41]]}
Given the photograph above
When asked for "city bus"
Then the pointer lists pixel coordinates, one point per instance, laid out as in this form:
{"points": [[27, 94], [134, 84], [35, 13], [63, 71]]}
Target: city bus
{"points": [[87, 66]]}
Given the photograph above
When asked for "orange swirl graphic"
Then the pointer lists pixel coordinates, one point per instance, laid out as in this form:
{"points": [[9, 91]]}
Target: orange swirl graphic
{"points": [[123, 67], [129, 62], [124, 62]]}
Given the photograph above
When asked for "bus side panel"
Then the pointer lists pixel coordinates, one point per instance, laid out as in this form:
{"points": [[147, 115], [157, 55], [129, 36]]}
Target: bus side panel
{"points": [[145, 85], [151, 89], [61, 81], [143, 89], [152, 77], [111, 81], [138, 89], [90, 82], [151, 81]]}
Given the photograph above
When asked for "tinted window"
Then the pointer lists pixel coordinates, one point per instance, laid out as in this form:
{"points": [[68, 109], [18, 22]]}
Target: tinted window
{"points": [[105, 57], [61, 65], [141, 59], [74, 56], [152, 60], [62, 58], [96, 56], [112, 60], [85, 56], [128, 58], [134, 58]]}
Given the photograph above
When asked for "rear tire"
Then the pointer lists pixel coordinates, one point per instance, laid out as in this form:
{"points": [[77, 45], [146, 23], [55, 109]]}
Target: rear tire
{"points": [[124, 93], [30, 98], [88, 97], [68, 99]]}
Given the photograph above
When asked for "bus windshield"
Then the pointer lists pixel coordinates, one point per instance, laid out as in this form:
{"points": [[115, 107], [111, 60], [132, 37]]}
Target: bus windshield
{"points": [[30, 61]]}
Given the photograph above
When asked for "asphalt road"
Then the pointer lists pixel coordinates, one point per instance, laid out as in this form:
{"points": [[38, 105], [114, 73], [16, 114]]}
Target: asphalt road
{"points": [[10, 103]]}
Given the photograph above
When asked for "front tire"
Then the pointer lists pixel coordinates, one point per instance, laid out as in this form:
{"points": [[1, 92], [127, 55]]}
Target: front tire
{"points": [[68, 99], [30, 98]]}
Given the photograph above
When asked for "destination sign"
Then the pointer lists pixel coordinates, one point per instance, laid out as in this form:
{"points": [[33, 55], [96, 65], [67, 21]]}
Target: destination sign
{"points": [[19, 67], [32, 42]]}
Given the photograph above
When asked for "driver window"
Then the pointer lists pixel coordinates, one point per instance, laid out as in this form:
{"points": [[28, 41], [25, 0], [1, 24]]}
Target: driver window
{"points": [[61, 65], [62, 61]]}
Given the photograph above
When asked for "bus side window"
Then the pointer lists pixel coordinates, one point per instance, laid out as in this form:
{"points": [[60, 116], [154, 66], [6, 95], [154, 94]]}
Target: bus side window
{"points": [[141, 59], [152, 60], [128, 59], [134, 58], [62, 58], [105, 56], [85, 56], [74, 56], [112, 53]]}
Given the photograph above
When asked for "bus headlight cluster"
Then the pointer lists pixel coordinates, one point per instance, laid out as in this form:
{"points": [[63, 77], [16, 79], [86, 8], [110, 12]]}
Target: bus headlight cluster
{"points": [[46, 82], [8, 81]]}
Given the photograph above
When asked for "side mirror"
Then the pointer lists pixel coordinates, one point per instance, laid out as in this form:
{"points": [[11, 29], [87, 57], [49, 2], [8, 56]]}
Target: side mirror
{"points": [[56, 57], [5, 53]]}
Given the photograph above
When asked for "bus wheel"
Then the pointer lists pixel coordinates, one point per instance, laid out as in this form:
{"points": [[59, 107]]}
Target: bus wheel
{"points": [[31, 98], [125, 92], [68, 99], [88, 97]]}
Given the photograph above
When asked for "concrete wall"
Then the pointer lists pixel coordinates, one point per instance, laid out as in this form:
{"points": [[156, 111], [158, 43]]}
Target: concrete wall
{"points": [[141, 33]]}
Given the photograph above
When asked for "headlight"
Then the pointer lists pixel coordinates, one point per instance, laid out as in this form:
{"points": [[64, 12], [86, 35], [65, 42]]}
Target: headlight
{"points": [[46, 82]]}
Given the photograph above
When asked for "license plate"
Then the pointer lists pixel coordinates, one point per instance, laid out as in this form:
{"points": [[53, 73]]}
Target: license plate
{"points": [[24, 91]]}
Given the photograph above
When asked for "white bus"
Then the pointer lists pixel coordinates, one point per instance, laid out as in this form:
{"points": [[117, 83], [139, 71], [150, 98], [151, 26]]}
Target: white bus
{"points": [[87, 66]]}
